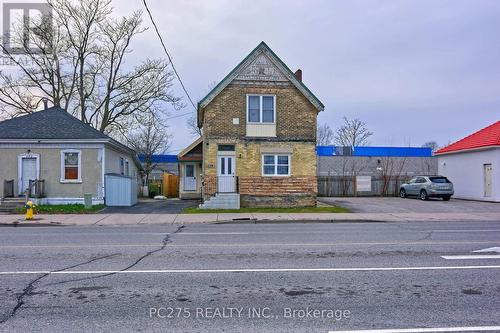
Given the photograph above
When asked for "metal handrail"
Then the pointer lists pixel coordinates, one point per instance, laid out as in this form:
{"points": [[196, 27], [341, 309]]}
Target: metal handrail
{"points": [[209, 186]]}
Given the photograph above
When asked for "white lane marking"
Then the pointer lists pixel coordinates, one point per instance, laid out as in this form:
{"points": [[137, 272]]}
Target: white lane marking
{"points": [[472, 256], [211, 233], [489, 249], [133, 233], [250, 244], [423, 330], [470, 230], [257, 270]]}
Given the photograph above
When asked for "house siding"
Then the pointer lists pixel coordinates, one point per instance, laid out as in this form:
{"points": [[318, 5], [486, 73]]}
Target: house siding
{"points": [[113, 162], [50, 171]]}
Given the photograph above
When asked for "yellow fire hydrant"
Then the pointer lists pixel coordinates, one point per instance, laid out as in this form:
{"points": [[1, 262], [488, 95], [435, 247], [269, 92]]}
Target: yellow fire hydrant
{"points": [[29, 210]]}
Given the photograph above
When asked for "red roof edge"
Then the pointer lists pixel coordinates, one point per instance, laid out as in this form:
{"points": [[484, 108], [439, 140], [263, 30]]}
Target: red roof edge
{"points": [[486, 137]]}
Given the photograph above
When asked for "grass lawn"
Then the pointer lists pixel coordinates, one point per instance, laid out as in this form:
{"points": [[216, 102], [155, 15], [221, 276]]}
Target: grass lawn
{"points": [[326, 209], [65, 209]]}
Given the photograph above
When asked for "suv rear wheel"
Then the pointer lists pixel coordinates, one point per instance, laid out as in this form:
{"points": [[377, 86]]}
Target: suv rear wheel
{"points": [[423, 195], [402, 193]]}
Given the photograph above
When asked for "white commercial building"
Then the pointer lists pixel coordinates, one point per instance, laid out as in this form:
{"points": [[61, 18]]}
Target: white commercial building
{"points": [[473, 165]]}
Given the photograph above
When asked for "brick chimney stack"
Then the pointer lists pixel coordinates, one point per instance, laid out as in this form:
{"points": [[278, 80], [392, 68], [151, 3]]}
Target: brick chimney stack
{"points": [[298, 74]]}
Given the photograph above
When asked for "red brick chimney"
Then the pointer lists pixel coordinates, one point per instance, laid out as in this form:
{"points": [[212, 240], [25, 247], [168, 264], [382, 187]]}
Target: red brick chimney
{"points": [[298, 74]]}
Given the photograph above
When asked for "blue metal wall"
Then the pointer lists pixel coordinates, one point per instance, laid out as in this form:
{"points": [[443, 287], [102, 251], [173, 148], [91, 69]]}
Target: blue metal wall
{"points": [[160, 158], [379, 151]]}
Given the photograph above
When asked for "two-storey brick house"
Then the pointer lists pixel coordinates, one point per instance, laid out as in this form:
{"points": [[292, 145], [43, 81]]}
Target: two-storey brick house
{"points": [[259, 138]]}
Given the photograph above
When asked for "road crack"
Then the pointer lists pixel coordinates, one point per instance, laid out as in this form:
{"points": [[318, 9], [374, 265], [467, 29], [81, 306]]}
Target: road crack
{"points": [[28, 290], [165, 241]]}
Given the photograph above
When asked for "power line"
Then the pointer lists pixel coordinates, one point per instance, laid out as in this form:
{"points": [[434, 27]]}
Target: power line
{"points": [[179, 115], [168, 55]]}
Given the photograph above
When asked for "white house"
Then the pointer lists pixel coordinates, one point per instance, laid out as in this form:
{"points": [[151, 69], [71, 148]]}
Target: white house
{"points": [[473, 165]]}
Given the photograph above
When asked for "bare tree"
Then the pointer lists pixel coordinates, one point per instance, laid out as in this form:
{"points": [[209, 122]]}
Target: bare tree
{"points": [[192, 121], [429, 164], [192, 124], [150, 138], [391, 169], [83, 68], [431, 144], [352, 133], [324, 135]]}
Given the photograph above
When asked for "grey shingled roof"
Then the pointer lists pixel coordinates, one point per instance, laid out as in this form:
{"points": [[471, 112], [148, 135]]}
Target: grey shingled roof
{"points": [[52, 123]]}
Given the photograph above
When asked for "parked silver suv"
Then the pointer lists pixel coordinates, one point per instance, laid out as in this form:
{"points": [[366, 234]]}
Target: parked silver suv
{"points": [[426, 187]]}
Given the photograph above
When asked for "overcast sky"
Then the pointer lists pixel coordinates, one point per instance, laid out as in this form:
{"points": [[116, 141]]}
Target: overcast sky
{"points": [[414, 71]]}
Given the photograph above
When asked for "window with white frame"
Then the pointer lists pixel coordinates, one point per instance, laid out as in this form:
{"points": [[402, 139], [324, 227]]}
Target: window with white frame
{"points": [[261, 108], [127, 171], [122, 166], [71, 166], [276, 165]]}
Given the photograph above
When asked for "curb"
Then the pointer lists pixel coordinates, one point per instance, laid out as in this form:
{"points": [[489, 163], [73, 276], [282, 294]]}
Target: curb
{"points": [[31, 224], [255, 221]]}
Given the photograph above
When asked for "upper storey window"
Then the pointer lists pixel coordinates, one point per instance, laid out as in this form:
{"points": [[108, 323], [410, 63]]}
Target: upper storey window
{"points": [[261, 108]]}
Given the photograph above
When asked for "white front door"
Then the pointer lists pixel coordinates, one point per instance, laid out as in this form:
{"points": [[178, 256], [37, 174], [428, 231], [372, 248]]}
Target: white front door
{"points": [[488, 171], [28, 167], [226, 180], [189, 177]]}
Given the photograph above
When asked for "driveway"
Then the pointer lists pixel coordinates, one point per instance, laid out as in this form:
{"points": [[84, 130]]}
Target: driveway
{"points": [[150, 206], [411, 205]]}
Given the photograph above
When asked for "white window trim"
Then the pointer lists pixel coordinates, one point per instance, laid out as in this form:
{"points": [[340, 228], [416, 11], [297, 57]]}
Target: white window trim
{"points": [[121, 166], [79, 180], [260, 109], [126, 168], [276, 165]]}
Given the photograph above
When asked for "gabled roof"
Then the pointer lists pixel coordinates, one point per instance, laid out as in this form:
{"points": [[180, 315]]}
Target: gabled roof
{"points": [[195, 156], [487, 137], [55, 124], [261, 48], [52, 123]]}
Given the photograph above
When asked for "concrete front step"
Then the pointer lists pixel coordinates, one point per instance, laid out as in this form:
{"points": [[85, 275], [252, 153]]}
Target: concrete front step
{"points": [[222, 201], [10, 205]]}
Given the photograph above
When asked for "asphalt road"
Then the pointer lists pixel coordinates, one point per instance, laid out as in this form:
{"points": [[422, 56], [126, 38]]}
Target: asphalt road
{"points": [[250, 277]]}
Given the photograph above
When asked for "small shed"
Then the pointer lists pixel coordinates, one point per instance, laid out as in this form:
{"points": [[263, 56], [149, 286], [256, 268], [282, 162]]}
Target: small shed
{"points": [[473, 164], [120, 190]]}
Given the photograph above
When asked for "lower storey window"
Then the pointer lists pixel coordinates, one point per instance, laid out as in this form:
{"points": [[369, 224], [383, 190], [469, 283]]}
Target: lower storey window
{"points": [[276, 165], [70, 163]]}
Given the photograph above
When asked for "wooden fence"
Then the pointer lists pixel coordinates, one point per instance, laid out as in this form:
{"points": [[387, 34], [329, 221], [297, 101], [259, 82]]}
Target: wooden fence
{"points": [[339, 186], [170, 185]]}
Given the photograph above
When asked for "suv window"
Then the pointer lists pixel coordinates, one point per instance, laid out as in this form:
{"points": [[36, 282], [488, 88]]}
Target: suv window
{"points": [[442, 180], [421, 180]]}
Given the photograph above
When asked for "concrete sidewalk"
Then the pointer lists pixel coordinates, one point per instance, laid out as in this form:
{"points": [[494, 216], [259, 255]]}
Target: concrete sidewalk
{"points": [[135, 219]]}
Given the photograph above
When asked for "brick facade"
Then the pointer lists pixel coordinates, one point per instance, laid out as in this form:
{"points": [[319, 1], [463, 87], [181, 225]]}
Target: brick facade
{"points": [[295, 116], [222, 115], [278, 191]]}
